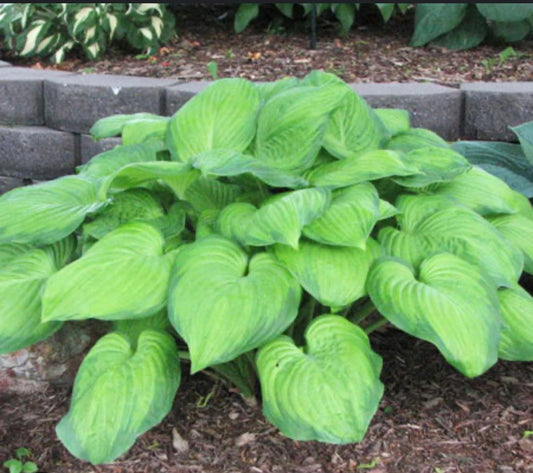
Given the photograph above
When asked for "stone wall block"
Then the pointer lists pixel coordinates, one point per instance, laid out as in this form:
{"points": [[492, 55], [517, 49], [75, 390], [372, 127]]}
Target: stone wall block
{"points": [[430, 106], [490, 108], [36, 152], [90, 147], [21, 94], [8, 183], [75, 103]]}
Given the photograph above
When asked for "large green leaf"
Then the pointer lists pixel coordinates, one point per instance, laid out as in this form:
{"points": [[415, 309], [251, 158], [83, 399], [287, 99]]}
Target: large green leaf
{"points": [[22, 278], [224, 304], [335, 276], [230, 163], [449, 304], [210, 194], [47, 212], [326, 391], [353, 127], [525, 136], [140, 131], [123, 388], [504, 160], [519, 231], [435, 164], [434, 19], [471, 32], [362, 167], [223, 116], [516, 307], [484, 193], [244, 14], [457, 230], [349, 219], [267, 90], [114, 124], [395, 120], [291, 125], [511, 31], [280, 219], [415, 138], [505, 11], [122, 276]]}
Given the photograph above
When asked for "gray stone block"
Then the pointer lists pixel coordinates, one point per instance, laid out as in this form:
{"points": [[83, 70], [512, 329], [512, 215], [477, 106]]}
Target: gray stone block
{"points": [[178, 95], [8, 183], [75, 103], [490, 108], [431, 106], [36, 152], [21, 95], [90, 148]]}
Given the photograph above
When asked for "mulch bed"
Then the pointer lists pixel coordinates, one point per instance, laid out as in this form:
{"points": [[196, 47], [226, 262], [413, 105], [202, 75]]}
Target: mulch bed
{"points": [[371, 52], [431, 420]]}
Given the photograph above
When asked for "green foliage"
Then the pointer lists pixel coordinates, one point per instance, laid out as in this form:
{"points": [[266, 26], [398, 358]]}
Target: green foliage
{"points": [[18, 464], [344, 13], [53, 29], [463, 26], [263, 232]]}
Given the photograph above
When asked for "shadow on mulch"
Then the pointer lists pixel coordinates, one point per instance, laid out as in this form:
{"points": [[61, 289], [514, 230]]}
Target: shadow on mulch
{"points": [[431, 420]]}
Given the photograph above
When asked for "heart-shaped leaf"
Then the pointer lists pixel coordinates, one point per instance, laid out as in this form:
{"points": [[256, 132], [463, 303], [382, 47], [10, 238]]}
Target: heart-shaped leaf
{"points": [[123, 388], [22, 278], [122, 276], [450, 304], [47, 212], [279, 220], [223, 116], [327, 391], [335, 276], [360, 168], [349, 219], [457, 230], [516, 307], [223, 304]]}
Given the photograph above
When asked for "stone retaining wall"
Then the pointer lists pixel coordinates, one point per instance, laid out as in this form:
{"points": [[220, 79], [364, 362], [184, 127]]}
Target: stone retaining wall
{"points": [[45, 117]]}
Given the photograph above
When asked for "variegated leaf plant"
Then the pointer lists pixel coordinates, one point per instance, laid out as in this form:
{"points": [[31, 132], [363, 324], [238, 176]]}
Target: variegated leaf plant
{"points": [[263, 230]]}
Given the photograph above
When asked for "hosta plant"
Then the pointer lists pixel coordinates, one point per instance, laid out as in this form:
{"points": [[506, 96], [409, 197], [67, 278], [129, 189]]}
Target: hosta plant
{"points": [[264, 230], [53, 29]]}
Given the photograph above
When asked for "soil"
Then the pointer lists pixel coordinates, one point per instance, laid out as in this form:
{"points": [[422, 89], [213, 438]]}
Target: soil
{"points": [[431, 419], [270, 49]]}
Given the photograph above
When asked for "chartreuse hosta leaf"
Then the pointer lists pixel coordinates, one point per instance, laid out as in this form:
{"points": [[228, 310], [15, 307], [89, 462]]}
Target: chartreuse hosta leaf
{"points": [[457, 230], [279, 220], [450, 304], [139, 131], [485, 193], [224, 304], [361, 167], [328, 390], [519, 231], [415, 138], [516, 306], [114, 124], [122, 276], [291, 126], [210, 194], [353, 127], [335, 276], [22, 276], [349, 219], [267, 90], [230, 163], [47, 212], [123, 388], [436, 164], [395, 120], [223, 116]]}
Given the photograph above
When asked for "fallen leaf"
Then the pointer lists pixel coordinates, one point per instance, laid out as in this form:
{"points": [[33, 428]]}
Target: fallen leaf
{"points": [[178, 442], [244, 439]]}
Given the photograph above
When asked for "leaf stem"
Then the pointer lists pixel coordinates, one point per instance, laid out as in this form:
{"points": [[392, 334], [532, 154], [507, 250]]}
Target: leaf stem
{"points": [[364, 311], [380, 323]]}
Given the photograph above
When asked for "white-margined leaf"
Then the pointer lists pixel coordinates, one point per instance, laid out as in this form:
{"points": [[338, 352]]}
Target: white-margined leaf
{"points": [[361, 167], [224, 304], [449, 303], [516, 306], [335, 276], [47, 212], [280, 219], [122, 276], [326, 391], [223, 116], [349, 219], [123, 388]]}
